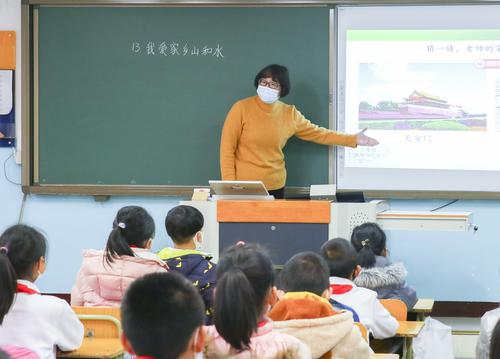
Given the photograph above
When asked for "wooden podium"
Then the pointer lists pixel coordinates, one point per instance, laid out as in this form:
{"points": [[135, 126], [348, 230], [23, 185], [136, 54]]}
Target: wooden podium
{"points": [[282, 227]]}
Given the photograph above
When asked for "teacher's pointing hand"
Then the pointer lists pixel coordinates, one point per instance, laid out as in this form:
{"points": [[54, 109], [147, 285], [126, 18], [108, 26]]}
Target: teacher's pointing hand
{"points": [[364, 140]]}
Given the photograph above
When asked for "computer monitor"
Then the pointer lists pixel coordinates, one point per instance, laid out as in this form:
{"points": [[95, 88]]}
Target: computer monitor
{"points": [[350, 197]]}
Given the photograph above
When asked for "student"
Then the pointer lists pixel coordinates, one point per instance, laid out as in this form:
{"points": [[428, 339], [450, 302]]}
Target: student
{"points": [[306, 313], [341, 258], [243, 296], [488, 322], [184, 225], [27, 319], [378, 274], [105, 275], [162, 318], [495, 343]]}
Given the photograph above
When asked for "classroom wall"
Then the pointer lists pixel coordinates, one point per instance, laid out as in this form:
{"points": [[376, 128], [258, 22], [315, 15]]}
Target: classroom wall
{"points": [[10, 19], [444, 265]]}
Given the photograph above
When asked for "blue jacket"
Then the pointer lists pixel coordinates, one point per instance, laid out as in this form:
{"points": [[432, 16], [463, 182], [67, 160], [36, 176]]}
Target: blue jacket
{"points": [[198, 268], [388, 280]]}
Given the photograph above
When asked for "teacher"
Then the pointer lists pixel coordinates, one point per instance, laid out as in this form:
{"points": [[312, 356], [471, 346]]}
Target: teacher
{"points": [[257, 129]]}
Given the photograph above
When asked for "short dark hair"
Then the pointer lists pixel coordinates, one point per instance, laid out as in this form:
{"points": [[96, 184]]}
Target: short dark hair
{"points": [[340, 256], [305, 271], [160, 313], [369, 240], [279, 74], [182, 223]]}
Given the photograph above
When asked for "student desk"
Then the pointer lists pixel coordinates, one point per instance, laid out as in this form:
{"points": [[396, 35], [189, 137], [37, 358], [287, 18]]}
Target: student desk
{"points": [[408, 331], [106, 348], [422, 307], [384, 356]]}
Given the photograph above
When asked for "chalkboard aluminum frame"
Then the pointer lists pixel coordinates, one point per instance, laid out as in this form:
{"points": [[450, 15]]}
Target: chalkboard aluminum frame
{"points": [[29, 99], [30, 175]]}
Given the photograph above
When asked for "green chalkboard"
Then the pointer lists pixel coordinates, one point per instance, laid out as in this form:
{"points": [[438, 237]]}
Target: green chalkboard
{"points": [[138, 95]]}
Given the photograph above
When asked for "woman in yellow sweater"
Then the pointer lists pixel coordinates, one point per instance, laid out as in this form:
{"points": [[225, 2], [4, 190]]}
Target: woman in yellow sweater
{"points": [[257, 129]]}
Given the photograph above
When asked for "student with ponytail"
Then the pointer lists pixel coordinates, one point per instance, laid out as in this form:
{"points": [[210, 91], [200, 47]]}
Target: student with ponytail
{"points": [[245, 290], [27, 319], [105, 275], [378, 273]]}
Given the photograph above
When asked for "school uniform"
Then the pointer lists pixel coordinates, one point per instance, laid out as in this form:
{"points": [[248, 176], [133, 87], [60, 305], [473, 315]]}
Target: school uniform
{"points": [[372, 314], [40, 323]]}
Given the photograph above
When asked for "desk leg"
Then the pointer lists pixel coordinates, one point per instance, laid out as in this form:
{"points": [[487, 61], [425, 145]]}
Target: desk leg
{"points": [[409, 348]]}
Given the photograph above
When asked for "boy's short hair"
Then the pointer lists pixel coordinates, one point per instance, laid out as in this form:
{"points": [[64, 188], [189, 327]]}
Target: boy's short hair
{"points": [[340, 256], [305, 272], [182, 223], [160, 313]]}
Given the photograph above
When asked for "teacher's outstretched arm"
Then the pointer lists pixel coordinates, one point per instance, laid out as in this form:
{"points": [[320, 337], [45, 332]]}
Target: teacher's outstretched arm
{"points": [[308, 131]]}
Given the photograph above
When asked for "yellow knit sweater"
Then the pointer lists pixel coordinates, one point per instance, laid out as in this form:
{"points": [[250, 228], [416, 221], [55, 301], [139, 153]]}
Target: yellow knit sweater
{"points": [[255, 134]]}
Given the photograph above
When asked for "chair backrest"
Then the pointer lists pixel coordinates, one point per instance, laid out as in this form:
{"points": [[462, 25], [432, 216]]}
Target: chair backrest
{"points": [[100, 322], [362, 329], [396, 307]]}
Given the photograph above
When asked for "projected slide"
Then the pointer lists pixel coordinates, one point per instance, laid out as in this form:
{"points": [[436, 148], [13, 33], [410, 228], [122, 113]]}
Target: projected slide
{"points": [[431, 98]]}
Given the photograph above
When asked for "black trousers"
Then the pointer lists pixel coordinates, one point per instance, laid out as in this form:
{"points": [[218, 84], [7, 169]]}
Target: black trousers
{"points": [[278, 193]]}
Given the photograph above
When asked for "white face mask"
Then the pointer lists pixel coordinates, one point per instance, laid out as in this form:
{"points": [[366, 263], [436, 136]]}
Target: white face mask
{"points": [[267, 94]]}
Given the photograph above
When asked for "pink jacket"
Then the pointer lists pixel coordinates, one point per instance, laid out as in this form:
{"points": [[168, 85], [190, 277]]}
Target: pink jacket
{"points": [[99, 284], [19, 353], [265, 344]]}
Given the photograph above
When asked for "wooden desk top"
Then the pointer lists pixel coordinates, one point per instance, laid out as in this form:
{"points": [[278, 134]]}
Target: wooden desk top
{"points": [[409, 329], [95, 348], [384, 356], [423, 305]]}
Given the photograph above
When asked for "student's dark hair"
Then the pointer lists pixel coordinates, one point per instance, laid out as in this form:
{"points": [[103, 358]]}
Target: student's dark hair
{"points": [[369, 240], [340, 256], [182, 223], [21, 247], [160, 313], [279, 74], [495, 342], [305, 272], [245, 275], [133, 226], [4, 355]]}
